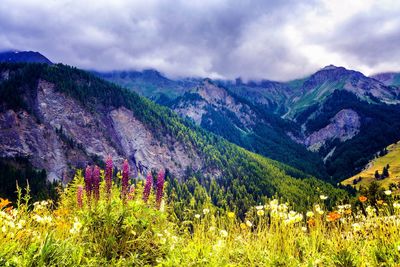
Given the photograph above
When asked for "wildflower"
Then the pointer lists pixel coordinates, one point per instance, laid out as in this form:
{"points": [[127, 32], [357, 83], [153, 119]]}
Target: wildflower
{"points": [[125, 179], [379, 202], [323, 197], [259, 207], [4, 229], [243, 226], [231, 214], [147, 187], [356, 227], [260, 212], [362, 199], [311, 222], [310, 214], [160, 188], [4, 202], [197, 216], [318, 209], [388, 192], [88, 182], [370, 210], [76, 227], [223, 233], [108, 175], [211, 229], [304, 229], [333, 216], [21, 224], [206, 211], [396, 205], [131, 192], [162, 206], [79, 194], [96, 183], [249, 223]]}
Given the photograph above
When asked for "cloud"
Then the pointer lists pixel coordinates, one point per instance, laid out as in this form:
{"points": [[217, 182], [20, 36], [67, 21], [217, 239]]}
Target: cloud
{"points": [[278, 40]]}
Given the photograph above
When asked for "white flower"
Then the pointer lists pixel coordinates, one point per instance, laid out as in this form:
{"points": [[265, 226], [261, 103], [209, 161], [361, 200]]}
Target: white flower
{"points": [[323, 197], [223, 233], [76, 227], [197, 216], [318, 209], [304, 229], [211, 229], [310, 214], [356, 227], [249, 223], [21, 224], [4, 229], [206, 211], [396, 205], [388, 192], [259, 207]]}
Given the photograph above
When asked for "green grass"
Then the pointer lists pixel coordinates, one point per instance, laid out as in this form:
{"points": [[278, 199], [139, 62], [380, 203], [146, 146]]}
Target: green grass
{"points": [[368, 175]]}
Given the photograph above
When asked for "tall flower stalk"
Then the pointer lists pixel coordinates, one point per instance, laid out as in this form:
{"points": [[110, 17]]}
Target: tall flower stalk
{"points": [[147, 187], [96, 183], [108, 176], [125, 180], [160, 188], [88, 183], [79, 196]]}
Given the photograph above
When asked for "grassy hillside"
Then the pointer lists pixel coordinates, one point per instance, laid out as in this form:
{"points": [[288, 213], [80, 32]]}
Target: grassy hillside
{"points": [[368, 174]]}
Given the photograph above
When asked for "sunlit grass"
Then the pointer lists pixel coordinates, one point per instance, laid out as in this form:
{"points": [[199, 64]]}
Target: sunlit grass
{"points": [[116, 231]]}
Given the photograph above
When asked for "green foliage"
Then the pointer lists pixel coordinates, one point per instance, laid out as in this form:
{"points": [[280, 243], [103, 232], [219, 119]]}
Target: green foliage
{"points": [[20, 172]]}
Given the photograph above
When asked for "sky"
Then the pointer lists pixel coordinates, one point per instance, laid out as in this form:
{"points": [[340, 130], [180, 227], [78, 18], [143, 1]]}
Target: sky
{"points": [[277, 40]]}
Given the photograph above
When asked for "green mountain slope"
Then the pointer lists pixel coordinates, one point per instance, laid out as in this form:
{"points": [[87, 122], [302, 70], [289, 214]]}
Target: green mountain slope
{"points": [[237, 171]]}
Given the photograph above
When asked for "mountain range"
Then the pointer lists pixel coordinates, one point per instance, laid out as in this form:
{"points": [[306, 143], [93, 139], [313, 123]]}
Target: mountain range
{"points": [[249, 139], [329, 124]]}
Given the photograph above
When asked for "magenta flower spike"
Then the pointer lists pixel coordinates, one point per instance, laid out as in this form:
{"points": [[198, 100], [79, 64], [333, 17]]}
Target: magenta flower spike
{"points": [[88, 183], [125, 179], [147, 187], [160, 188], [108, 176], [131, 193], [79, 195], [96, 183]]}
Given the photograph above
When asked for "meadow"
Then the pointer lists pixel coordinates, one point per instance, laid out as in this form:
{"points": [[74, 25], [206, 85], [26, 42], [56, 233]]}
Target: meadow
{"points": [[98, 221]]}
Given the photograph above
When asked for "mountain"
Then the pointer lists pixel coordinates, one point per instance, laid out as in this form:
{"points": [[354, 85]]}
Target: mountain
{"points": [[388, 78], [390, 156], [23, 56], [220, 111], [150, 83], [334, 113], [60, 118]]}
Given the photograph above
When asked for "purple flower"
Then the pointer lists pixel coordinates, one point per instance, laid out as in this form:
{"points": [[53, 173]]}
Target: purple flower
{"points": [[79, 195], [96, 183], [131, 193], [108, 176], [147, 187], [160, 188], [125, 179], [88, 182]]}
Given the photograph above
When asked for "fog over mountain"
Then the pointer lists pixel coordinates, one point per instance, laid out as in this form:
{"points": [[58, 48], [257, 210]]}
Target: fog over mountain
{"points": [[278, 40]]}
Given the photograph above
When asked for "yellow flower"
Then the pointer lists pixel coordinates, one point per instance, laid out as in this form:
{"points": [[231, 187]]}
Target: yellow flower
{"points": [[323, 197], [205, 211], [231, 214], [249, 223], [310, 214], [260, 212], [243, 226], [197, 216]]}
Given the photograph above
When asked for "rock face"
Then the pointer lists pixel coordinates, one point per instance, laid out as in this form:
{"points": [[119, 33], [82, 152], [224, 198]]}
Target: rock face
{"points": [[343, 126], [63, 133], [212, 97]]}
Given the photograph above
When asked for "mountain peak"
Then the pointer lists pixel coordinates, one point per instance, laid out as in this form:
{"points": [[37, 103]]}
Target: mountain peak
{"points": [[23, 56], [331, 67]]}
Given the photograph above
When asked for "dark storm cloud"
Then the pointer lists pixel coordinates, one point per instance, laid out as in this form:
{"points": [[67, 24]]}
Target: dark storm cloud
{"points": [[253, 39]]}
